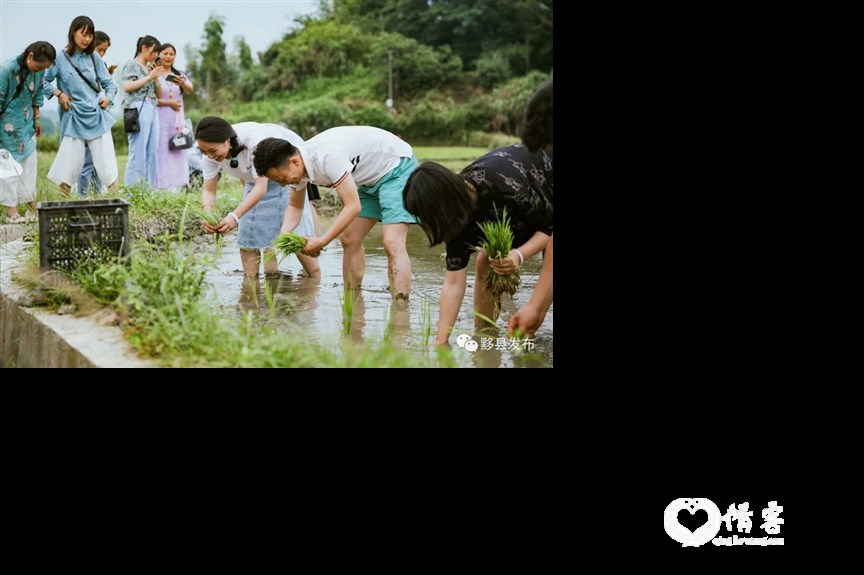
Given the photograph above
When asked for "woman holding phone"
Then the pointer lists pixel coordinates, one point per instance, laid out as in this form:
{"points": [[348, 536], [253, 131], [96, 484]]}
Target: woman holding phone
{"points": [[139, 75], [172, 166]]}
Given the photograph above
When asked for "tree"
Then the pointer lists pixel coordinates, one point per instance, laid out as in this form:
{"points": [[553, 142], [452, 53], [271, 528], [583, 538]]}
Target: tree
{"points": [[416, 68], [214, 63], [193, 71], [520, 30], [244, 53]]}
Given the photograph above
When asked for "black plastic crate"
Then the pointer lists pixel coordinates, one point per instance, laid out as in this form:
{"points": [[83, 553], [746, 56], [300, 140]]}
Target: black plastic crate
{"points": [[82, 229]]}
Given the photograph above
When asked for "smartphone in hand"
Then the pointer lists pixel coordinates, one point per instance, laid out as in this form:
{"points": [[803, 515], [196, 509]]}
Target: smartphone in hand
{"points": [[172, 78]]}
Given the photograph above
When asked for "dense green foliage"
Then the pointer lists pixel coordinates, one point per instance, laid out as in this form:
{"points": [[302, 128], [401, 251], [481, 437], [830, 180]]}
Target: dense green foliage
{"points": [[518, 31], [459, 69]]}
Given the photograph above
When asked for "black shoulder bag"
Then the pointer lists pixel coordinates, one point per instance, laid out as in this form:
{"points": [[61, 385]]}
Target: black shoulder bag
{"points": [[130, 119]]}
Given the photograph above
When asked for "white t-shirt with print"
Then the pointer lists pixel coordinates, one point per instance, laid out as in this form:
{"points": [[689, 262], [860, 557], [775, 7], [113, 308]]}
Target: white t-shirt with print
{"points": [[365, 152], [248, 133]]}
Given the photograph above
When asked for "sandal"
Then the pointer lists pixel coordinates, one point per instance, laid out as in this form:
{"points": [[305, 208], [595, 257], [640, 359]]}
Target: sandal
{"points": [[19, 219]]}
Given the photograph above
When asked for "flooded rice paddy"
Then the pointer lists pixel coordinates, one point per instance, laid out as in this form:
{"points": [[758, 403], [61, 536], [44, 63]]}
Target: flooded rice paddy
{"points": [[314, 304]]}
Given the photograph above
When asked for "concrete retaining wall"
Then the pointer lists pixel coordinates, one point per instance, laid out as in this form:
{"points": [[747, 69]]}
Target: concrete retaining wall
{"points": [[33, 337]]}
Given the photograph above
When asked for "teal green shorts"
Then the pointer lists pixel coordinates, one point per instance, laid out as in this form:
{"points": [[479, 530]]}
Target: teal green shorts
{"points": [[383, 200]]}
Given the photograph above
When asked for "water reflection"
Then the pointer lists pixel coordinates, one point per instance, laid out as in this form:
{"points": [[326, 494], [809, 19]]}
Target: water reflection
{"points": [[313, 304]]}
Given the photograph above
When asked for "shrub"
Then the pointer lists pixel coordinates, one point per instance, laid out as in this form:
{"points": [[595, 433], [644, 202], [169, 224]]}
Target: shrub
{"points": [[492, 68], [489, 140], [429, 122], [314, 116], [416, 67], [507, 102], [375, 115]]}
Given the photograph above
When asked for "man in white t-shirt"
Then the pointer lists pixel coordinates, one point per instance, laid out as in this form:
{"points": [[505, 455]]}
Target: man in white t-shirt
{"points": [[368, 167]]}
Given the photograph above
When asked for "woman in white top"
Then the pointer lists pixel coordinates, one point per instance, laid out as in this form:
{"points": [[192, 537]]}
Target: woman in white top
{"points": [[259, 216]]}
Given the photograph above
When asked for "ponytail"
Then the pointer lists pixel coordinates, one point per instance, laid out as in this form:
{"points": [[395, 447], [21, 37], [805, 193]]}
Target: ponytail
{"points": [[145, 41], [42, 51]]}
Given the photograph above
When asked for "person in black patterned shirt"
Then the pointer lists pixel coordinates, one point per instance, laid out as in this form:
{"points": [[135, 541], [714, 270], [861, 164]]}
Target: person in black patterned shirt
{"points": [[450, 207], [537, 133]]}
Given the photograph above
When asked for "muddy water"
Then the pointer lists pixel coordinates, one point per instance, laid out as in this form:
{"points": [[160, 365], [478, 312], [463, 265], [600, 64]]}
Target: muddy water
{"points": [[315, 304]]}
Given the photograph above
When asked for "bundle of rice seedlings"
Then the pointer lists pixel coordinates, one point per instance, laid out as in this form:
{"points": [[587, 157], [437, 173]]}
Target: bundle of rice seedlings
{"points": [[210, 218], [214, 220], [289, 244], [497, 243]]}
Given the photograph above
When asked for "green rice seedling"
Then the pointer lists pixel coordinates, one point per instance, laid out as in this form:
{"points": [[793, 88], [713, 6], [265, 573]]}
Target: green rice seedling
{"points": [[288, 244], [210, 218], [497, 243], [253, 287], [347, 301], [270, 297], [493, 325], [214, 220], [425, 319], [388, 324], [519, 334]]}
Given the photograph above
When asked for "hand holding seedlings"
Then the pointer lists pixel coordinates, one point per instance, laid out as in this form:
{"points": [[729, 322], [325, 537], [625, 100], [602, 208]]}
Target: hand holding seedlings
{"points": [[211, 222], [505, 266], [313, 247], [497, 241], [288, 244], [228, 223]]}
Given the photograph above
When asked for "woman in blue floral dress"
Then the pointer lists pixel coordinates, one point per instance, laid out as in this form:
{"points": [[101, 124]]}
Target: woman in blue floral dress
{"points": [[21, 80]]}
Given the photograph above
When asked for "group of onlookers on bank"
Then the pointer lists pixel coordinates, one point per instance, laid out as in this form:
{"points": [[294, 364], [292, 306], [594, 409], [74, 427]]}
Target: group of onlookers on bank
{"points": [[90, 99]]}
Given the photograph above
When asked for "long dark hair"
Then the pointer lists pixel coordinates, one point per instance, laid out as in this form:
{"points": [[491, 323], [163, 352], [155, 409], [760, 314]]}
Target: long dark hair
{"points": [[173, 69], [145, 41], [42, 51], [215, 129], [80, 23], [440, 200]]}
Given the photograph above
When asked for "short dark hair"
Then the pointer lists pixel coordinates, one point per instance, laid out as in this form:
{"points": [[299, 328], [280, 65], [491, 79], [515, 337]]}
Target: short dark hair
{"points": [[440, 200], [537, 124], [99, 37], [271, 153]]}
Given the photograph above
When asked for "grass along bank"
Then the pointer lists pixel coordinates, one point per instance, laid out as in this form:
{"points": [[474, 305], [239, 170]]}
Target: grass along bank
{"points": [[160, 304]]}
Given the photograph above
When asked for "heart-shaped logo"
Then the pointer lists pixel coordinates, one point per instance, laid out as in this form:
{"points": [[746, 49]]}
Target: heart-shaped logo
{"points": [[701, 516], [692, 520]]}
